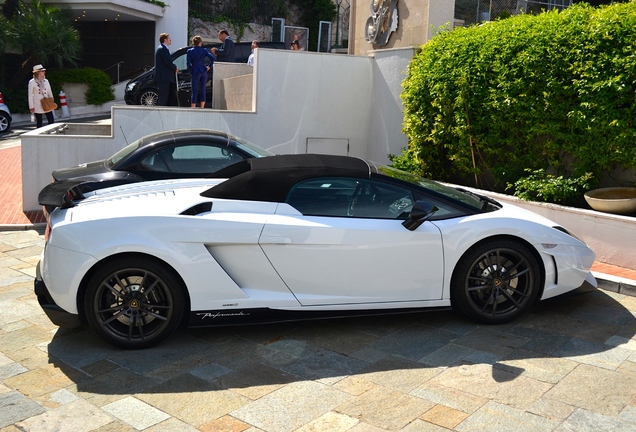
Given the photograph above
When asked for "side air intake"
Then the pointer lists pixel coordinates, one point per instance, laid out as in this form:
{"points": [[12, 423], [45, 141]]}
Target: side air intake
{"points": [[198, 209]]}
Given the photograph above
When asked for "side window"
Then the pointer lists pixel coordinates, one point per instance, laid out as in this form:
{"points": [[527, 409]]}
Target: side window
{"points": [[197, 152], [444, 210], [180, 62], [374, 199], [323, 196], [160, 161], [191, 159], [349, 197]]}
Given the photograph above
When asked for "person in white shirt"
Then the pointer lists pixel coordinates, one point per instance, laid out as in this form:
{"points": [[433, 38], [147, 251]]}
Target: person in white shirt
{"points": [[250, 59]]}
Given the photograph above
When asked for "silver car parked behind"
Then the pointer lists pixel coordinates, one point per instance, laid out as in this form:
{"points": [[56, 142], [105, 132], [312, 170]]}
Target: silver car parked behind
{"points": [[5, 116]]}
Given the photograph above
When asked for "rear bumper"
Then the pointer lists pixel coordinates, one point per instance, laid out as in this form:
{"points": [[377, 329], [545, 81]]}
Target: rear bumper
{"points": [[56, 314]]}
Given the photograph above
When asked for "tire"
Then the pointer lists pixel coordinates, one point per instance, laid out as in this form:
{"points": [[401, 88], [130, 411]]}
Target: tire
{"points": [[134, 303], [496, 282], [149, 98], [5, 122]]}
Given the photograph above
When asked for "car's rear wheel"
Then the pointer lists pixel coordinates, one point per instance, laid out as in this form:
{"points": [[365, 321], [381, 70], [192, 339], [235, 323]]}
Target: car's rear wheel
{"points": [[496, 282], [134, 302], [149, 98], [5, 122]]}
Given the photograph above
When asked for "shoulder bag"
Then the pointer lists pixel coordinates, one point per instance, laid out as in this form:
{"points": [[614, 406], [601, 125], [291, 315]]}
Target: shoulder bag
{"points": [[48, 104]]}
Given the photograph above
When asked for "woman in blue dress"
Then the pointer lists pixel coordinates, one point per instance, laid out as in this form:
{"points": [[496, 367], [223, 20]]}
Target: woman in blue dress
{"points": [[198, 70]]}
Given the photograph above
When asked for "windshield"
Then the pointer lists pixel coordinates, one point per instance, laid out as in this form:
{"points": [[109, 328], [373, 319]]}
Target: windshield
{"points": [[121, 154], [472, 200], [251, 149]]}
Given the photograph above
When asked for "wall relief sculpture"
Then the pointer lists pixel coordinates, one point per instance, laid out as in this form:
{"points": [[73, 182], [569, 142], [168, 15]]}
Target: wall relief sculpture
{"points": [[382, 22]]}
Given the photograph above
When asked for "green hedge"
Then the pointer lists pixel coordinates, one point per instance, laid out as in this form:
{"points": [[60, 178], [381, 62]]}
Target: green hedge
{"points": [[553, 91], [99, 84]]}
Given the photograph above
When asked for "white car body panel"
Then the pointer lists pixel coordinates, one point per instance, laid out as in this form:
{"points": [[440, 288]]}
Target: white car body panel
{"points": [[332, 260]]}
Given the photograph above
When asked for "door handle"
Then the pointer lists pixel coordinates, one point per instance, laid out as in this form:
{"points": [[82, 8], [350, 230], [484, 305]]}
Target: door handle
{"points": [[275, 240]]}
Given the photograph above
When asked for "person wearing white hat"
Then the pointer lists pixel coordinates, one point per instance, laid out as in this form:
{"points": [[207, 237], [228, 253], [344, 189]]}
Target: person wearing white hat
{"points": [[39, 87]]}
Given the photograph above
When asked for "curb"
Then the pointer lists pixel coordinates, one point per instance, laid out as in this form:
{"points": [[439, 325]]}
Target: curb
{"points": [[616, 284], [22, 227], [59, 119], [21, 119]]}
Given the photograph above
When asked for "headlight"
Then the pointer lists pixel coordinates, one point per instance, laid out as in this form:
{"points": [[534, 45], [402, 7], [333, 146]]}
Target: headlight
{"points": [[130, 86]]}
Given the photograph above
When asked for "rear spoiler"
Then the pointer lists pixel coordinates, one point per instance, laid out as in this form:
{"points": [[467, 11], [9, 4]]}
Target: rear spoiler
{"points": [[65, 193], [61, 194]]}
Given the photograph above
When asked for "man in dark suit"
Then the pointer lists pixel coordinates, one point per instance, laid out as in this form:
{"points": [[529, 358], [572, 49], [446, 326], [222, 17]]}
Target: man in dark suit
{"points": [[226, 53], [165, 72]]}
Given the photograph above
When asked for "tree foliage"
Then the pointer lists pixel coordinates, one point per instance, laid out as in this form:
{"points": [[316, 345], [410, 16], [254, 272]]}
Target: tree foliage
{"points": [[242, 12], [314, 11], [239, 14], [44, 33], [553, 91]]}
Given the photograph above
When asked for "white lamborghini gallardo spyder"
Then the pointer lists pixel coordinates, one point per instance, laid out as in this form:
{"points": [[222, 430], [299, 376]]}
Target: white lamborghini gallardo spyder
{"points": [[293, 237]]}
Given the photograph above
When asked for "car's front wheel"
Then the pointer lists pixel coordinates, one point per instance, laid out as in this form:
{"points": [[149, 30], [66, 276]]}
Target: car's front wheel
{"points": [[134, 302], [5, 122], [496, 282], [149, 98]]}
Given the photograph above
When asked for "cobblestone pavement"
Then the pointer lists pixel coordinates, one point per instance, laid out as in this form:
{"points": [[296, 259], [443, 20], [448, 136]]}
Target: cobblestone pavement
{"points": [[570, 365]]}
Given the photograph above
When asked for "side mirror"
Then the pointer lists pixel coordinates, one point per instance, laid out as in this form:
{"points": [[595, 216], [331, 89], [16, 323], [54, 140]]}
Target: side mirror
{"points": [[421, 211]]}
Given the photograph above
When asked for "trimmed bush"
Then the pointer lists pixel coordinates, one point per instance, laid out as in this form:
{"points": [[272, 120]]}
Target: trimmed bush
{"points": [[552, 92], [99, 84]]}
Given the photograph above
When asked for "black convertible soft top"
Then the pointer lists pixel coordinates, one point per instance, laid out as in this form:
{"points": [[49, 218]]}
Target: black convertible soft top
{"points": [[271, 178]]}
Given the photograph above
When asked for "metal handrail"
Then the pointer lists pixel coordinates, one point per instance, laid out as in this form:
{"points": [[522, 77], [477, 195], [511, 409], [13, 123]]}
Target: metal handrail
{"points": [[118, 67]]}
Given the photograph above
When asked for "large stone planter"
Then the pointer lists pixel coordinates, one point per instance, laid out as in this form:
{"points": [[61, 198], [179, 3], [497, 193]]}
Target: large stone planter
{"points": [[75, 94], [617, 200]]}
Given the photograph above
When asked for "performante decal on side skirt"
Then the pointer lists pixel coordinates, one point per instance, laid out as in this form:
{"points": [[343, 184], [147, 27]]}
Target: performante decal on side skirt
{"points": [[214, 315], [228, 317]]}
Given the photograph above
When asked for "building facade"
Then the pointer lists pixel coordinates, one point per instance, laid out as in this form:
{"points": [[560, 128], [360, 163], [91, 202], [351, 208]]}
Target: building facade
{"points": [[120, 36]]}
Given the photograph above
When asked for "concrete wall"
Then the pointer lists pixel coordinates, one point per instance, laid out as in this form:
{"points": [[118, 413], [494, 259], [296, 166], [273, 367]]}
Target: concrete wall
{"points": [[175, 23], [303, 102], [237, 93], [223, 71], [310, 96], [75, 94], [440, 13], [387, 114]]}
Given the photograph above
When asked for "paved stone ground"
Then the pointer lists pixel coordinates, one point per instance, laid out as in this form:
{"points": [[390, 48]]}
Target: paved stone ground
{"points": [[570, 365]]}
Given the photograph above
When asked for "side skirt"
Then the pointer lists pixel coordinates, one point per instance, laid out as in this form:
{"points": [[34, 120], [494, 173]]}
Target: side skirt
{"points": [[231, 317]]}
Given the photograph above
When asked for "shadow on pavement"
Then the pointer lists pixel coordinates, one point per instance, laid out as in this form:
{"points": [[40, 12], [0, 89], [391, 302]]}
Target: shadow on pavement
{"points": [[586, 328]]}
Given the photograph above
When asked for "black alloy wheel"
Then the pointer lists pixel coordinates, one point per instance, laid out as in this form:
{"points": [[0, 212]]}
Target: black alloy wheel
{"points": [[134, 303], [496, 282]]}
